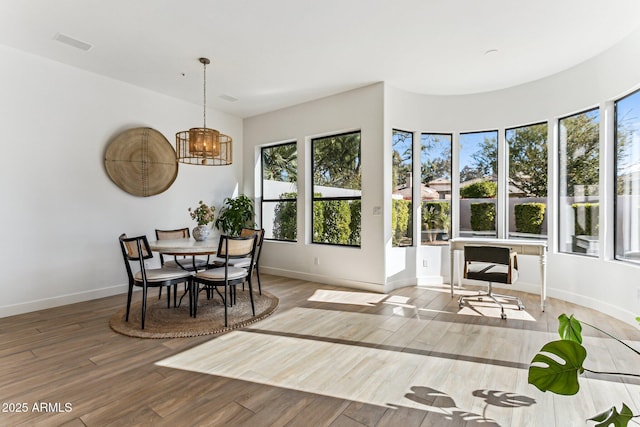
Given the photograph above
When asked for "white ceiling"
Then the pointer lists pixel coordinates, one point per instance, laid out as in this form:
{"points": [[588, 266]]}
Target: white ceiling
{"points": [[271, 54]]}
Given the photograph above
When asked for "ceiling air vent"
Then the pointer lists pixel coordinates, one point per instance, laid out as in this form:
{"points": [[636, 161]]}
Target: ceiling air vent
{"points": [[78, 44]]}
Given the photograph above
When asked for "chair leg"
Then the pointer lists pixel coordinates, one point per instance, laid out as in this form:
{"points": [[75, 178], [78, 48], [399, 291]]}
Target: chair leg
{"points": [[168, 296], [160, 292], [144, 304], [225, 304], [258, 276], [129, 301], [253, 307], [175, 295]]}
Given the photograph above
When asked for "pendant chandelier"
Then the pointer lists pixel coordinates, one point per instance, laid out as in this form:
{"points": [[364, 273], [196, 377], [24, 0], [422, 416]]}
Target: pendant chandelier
{"points": [[204, 146]]}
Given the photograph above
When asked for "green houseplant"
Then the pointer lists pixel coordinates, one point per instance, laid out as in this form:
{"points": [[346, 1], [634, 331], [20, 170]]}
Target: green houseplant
{"points": [[559, 374], [236, 213]]}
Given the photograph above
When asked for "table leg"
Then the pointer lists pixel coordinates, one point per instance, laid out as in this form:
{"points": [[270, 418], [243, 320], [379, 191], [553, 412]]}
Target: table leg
{"points": [[543, 279], [451, 266]]}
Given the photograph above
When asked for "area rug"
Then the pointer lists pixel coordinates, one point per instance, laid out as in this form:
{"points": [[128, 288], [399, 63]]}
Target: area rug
{"points": [[163, 322]]}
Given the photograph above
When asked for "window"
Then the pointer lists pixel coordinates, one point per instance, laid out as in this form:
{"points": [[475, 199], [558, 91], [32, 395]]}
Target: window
{"points": [[336, 189], [627, 170], [435, 188], [402, 187], [478, 183], [527, 189], [579, 204], [279, 191]]}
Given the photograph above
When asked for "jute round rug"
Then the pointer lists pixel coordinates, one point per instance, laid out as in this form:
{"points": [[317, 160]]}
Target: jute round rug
{"points": [[163, 322]]}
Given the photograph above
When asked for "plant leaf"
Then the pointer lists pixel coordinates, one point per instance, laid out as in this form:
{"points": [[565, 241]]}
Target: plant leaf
{"points": [[638, 319], [611, 416], [569, 328], [556, 377]]}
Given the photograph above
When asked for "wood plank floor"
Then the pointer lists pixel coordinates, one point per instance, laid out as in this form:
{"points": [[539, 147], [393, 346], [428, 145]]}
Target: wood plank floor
{"points": [[328, 357]]}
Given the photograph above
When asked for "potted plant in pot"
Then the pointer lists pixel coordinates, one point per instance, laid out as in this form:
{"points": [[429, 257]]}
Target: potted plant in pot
{"points": [[204, 216], [236, 213]]}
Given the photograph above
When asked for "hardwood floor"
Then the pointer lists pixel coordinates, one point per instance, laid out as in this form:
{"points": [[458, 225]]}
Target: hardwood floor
{"points": [[328, 357]]}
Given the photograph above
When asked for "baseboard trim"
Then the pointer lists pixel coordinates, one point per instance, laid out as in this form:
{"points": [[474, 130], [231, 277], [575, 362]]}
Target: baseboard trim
{"points": [[57, 301], [318, 278]]}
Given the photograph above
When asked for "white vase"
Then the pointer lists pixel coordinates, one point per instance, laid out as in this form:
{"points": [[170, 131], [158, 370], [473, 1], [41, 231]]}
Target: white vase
{"points": [[201, 232]]}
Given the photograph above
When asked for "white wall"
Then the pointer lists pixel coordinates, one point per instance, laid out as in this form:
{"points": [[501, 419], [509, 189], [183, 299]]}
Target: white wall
{"points": [[61, 214], [601, 283], [360, 109]]}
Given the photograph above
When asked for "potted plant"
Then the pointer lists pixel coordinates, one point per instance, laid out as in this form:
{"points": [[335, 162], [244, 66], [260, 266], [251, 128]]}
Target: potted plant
{"points": [[204, 216], [235, 214]]}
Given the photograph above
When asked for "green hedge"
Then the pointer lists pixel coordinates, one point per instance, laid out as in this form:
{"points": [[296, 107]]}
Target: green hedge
{"points": [[400, 224], [479, 190], [529, 217], [337, 222], [587, 224], [483, 216], [285, 219]]}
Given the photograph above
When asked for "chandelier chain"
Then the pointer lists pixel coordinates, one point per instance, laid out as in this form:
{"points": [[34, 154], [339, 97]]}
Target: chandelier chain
{"points": [[204, 111]]}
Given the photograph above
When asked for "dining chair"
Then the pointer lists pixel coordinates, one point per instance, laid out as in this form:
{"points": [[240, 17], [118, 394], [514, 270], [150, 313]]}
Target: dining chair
{"points": [[190, 265], [493, 265], [219, 261], [193, 264], [227, 276], [135, 250]]}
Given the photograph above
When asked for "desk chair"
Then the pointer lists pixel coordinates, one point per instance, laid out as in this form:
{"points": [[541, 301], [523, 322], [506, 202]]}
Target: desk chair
{"points": [[493, 265], [136, 250]]}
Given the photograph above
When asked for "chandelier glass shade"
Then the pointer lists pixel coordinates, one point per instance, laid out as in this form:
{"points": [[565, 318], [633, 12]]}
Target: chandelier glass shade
{"points": [[204, 146]]}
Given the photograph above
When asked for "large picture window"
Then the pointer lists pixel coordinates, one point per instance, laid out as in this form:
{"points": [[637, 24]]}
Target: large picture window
{"points": [[280, 191], [478, 183], [627, 170], [336, 189], [435, 188], [402, 185], [527, 189], [579, 204]]}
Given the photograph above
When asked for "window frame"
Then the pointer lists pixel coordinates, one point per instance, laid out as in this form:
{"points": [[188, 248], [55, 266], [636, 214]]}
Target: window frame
{"points": [[508, 178], [411, 209], [451, 204], [560, 181], [614, 193], [271, 200], [498, 186], [329, 199]]}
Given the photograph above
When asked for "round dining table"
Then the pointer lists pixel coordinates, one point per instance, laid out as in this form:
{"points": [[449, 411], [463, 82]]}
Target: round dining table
{"points": [[184, 247]]}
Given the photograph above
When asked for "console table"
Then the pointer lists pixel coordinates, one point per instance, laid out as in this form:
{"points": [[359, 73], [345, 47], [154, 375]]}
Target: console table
{"points": [[521, 247]]}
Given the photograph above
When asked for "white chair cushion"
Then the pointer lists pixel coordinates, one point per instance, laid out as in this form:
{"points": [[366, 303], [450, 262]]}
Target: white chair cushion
{"points": [[240, 262], [218, 273], [234, 262], [161, 274], [187, 263]]}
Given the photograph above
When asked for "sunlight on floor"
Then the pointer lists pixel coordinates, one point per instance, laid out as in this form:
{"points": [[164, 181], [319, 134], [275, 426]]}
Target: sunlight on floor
{"points": [[370, 375], [345, 297]]}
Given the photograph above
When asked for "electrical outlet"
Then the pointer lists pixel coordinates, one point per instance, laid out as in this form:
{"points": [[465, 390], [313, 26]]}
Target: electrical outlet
{"points": [[425, 262], [316, 261]]}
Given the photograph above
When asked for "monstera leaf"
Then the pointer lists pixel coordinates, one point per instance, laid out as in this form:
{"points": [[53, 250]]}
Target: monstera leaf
{"points": [[556, 377], [611, 416], [569, 328]]}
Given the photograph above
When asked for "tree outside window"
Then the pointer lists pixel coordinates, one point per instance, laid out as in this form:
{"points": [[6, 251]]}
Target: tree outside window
{"points": [[579, 204], [527, 187], [627, 174], [402, 188], [478, 183], [279, 191], [336, 189], [435, 189]]}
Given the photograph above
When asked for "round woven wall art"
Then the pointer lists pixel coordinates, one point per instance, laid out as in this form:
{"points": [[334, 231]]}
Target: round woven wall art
{"points": [[141, 162]]}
